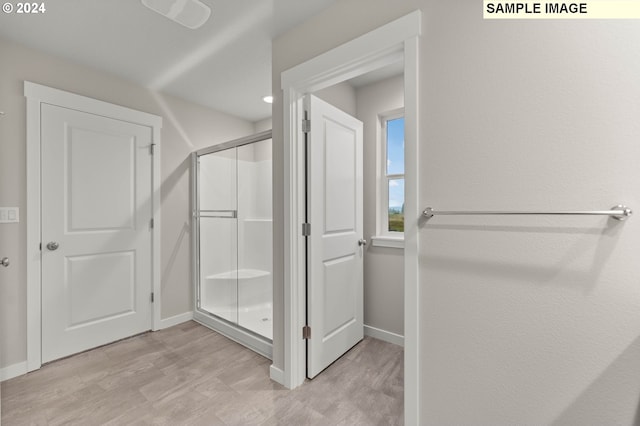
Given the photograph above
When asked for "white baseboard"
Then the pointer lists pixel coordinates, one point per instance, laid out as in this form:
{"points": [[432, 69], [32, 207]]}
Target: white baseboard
{"points": [[387, 336], [175, 320], [11, 371], [276, 374]]}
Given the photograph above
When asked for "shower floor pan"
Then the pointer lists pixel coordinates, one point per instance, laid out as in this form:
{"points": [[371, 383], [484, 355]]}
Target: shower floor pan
{"points": [[241, 296]]}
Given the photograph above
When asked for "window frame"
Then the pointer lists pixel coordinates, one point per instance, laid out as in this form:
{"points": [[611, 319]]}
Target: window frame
{"points": [[385, 237]]}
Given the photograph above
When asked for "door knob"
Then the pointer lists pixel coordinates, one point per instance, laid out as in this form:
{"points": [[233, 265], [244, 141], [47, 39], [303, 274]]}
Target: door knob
{"points": [[362, 242], [4, 261], [53, 245]]}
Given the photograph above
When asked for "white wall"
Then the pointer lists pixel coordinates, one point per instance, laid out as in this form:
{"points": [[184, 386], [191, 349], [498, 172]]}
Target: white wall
{"points": [[341, 96], [529, 320], [383, 267], [186, 127], [262, 125]]}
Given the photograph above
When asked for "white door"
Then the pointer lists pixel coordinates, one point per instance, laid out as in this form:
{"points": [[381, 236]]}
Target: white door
{"points": [[96, 237], [335, 256]]}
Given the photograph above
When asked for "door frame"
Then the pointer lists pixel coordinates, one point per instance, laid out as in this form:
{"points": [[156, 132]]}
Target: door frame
{"points": [[373, 50], [37, 95]]}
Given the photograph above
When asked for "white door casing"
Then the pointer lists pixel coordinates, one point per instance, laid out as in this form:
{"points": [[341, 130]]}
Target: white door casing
{"points": [[96, 206], [39, 97], [335, 256]]}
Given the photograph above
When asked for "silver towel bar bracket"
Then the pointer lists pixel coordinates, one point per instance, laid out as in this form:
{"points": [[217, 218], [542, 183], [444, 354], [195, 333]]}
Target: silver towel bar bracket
{"points": [[618, 212]]}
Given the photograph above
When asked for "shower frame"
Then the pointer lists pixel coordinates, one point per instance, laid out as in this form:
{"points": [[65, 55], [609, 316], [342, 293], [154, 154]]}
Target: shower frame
{"points": [[233, 331]]}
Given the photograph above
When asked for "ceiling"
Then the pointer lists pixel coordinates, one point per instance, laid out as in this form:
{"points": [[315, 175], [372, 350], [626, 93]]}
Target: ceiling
{"points": [[224, 65]]}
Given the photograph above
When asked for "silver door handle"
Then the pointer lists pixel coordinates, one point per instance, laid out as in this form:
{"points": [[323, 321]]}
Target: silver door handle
{"points": [[362, 242], [4, 261], [53, 245]]}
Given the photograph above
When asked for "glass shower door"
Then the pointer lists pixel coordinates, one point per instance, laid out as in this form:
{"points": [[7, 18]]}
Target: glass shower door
{"points": [[218, 229], [255, 282], [232, 240]]}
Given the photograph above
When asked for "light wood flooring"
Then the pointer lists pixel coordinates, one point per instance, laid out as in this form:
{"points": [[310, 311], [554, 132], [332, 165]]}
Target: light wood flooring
{"points": [[190, 375]]}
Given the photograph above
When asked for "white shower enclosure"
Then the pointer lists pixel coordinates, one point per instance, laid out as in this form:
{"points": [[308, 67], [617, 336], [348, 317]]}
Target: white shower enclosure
{"points": [[232, 240]]}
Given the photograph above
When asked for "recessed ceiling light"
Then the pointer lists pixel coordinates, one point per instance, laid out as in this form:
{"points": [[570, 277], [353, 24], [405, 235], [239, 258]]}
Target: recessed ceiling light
{"points": [[189, 13], [268, 99]]}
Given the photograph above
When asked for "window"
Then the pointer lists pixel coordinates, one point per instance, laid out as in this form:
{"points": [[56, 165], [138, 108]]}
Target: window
{"points": [[391, 192], [394, 149]]}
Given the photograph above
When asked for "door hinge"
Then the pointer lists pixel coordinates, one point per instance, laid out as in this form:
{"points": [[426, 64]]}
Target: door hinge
{"points": [[40, 246], [306, 229], [152, 298], [306, 332], [306, 125], [151, 224], [152, 148]]}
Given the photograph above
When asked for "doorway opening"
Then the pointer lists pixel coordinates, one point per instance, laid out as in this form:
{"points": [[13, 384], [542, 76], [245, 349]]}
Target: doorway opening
{"points": [[370, 237], [396, 41], [334, 233]]}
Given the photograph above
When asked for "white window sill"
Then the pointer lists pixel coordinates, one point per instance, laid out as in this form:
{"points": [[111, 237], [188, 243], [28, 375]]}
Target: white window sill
{"points": [[386, 241]]}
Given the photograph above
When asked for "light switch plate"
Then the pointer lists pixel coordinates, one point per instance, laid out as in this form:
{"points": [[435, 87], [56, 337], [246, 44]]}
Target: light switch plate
{"points": [[9, 215]]}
